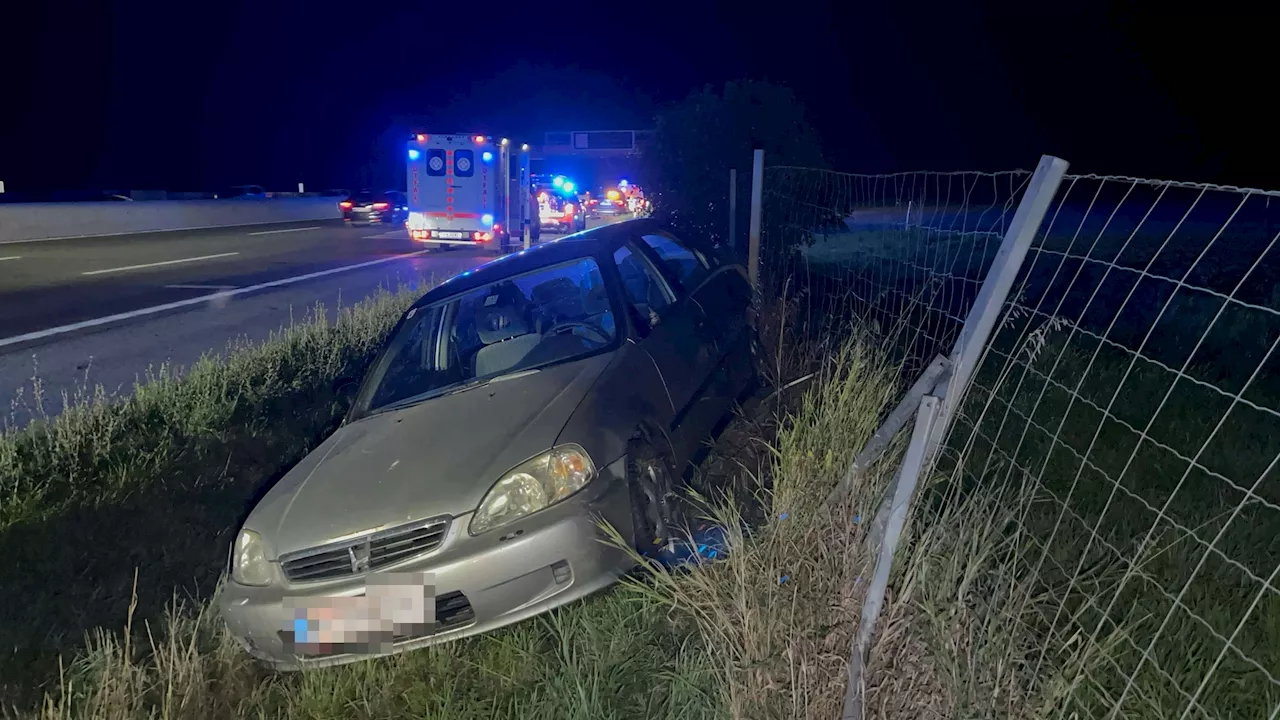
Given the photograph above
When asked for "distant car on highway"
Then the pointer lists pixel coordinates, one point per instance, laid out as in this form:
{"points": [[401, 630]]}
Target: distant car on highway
{"points": [[510, 408], [243, 192], [612, 204], [389, 207]]}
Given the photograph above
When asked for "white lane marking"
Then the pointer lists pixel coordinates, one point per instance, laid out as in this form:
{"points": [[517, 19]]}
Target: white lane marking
{"points": [[11, 257], [201, 287], [273, 232], [142, 312], [158, 264], [163, 230]]}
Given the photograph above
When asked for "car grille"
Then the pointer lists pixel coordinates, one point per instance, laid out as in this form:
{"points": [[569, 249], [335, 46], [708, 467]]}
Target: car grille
{"points": [[372, 552]]}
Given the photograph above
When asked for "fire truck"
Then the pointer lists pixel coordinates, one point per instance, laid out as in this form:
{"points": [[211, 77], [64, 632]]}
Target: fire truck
{"points": [[467, 190]]}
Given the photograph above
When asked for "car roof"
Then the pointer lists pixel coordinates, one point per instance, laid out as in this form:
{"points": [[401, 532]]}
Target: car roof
{"points": [[594, 242]]}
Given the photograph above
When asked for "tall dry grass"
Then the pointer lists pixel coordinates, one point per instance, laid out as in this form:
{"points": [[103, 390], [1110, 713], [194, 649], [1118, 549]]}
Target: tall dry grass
{"points": [[777, 614]]}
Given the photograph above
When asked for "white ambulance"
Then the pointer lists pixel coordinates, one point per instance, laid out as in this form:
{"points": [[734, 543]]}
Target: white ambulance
{"points": [[464, 191]]}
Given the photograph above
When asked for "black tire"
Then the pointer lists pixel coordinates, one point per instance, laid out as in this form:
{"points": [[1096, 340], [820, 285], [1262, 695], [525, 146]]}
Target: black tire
{"points": [[653, 496]]}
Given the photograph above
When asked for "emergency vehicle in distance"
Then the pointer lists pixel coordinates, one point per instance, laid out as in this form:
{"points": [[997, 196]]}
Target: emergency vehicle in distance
{"points": [[463, 192], [559, 209]]}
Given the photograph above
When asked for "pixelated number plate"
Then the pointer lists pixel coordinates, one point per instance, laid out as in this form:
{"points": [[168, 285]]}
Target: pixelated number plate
{"points": [[395, 607], [447, 235]]}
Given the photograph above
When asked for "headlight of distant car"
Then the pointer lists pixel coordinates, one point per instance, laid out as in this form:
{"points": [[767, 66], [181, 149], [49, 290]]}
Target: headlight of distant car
{"points": [[534, 485], [249, 564]]}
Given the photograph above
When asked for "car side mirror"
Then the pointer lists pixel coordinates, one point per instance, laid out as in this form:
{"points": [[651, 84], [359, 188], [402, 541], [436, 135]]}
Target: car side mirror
{"points": [[345, 387]]}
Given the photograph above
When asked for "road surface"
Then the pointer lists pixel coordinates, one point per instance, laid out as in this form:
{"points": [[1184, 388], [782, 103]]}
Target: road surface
{"points": [[81, 312]]}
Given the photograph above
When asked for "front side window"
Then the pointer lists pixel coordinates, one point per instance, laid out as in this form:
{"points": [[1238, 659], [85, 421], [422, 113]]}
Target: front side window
{"points": [[541, 318]]}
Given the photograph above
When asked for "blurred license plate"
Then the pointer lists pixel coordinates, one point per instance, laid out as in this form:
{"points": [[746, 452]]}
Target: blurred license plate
{"points": [[447, 235], [395, 605]]}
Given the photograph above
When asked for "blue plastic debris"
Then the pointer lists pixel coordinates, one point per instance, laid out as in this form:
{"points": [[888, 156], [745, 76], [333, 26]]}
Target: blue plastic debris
{"points": [[704, 542], [783, 579], [857, 519], [783, 516]]}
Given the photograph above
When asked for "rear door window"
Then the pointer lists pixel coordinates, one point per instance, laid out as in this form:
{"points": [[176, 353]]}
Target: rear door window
{"points": [[435, 162], [464, 163], [687, 266], [646, 292]]}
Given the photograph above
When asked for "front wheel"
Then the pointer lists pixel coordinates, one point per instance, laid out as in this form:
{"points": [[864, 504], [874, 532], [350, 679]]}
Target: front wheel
{"points": [[652, 486]]}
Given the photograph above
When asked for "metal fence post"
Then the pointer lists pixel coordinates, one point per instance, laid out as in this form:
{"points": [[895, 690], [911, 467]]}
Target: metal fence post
{"points": [[981, 319], [733, 209], [904, 488], [753, 233], [936, 410]]}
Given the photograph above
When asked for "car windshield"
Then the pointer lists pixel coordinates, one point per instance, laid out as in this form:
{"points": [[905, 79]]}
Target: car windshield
{"points": [[362, 197], [523, 323]]}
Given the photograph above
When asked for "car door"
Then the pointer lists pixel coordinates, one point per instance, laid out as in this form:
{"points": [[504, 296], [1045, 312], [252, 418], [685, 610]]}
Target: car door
{"points": [[671, 325], [721, 290], [723, 298]]}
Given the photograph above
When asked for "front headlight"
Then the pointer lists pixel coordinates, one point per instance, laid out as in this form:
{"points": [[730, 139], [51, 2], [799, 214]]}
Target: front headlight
{"points": [[249, 564], [534, 485]]}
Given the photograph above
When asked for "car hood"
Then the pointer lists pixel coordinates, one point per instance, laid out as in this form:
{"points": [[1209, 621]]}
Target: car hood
{"points": [[436, 458]]}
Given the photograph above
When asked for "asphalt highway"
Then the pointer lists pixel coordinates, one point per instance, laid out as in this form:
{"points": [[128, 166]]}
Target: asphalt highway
{"points": [[54, 283], [75, 313]]}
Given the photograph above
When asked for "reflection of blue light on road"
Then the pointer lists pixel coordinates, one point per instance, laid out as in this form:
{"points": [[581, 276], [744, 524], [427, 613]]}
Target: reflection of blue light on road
{"points": [[414, 154], [487, 156]]}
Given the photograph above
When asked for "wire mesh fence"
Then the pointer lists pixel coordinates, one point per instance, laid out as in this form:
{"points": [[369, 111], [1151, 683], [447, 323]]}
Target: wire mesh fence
{"points": [[904, 254], [1126, 415]]}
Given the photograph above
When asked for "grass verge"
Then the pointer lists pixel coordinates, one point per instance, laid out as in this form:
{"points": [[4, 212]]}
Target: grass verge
{"points": [[155, 483], [135, 501]]}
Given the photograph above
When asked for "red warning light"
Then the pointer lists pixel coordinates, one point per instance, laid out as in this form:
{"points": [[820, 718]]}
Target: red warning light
{"points": [[479, 139]]}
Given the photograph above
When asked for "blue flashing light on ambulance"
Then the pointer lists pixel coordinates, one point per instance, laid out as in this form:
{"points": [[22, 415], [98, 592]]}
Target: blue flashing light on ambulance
{"points": [[464, 191]]}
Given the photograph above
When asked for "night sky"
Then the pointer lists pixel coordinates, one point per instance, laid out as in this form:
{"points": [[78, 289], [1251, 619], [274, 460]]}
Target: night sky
{"points": [[137, 95]]}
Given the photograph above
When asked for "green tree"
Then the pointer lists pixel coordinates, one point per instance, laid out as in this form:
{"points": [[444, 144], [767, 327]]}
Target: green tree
{"points": [[697, 140]]}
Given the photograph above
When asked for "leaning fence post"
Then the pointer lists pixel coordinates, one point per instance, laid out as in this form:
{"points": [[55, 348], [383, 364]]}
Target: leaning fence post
{"points": [[753, 232], [936, 409], [904, 487], [981, 319], [933, 375]]}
